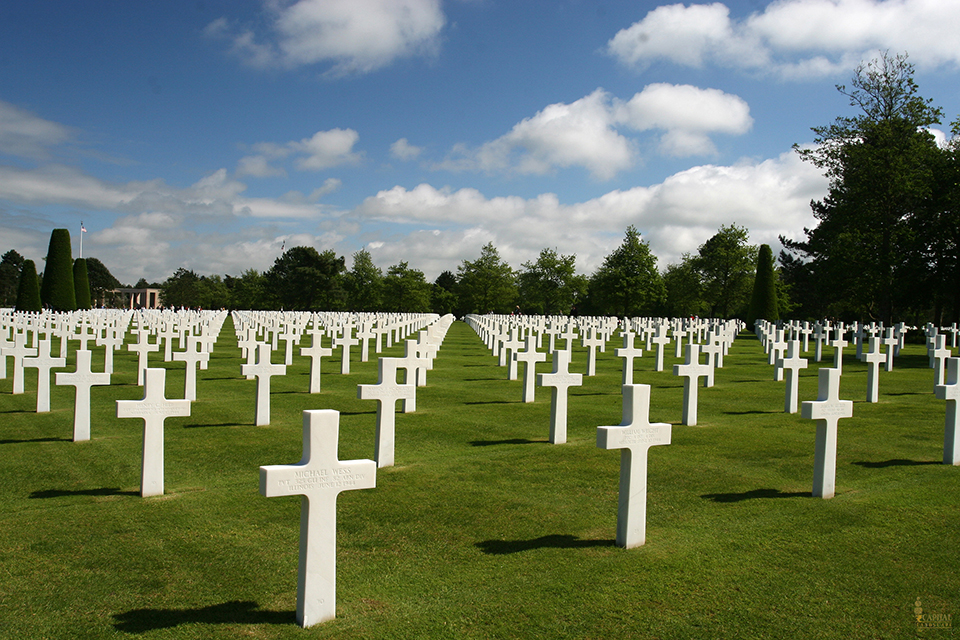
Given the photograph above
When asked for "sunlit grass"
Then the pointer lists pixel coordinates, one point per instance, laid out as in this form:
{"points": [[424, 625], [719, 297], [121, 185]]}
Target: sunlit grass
{"points": [[483, 529]]}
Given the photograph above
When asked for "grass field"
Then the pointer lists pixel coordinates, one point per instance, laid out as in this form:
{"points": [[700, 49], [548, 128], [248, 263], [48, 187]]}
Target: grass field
{"points": [[483, 529]]}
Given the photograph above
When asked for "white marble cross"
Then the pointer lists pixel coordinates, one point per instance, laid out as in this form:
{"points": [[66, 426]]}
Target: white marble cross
{"points": [[345, 341], [950, 391], [628, 352], [691, 371], [890, 341], [661, 339], [143, 347], [154, 408], [319, 477], [827, 409], [82, 379], [593, 340], [510, 347], [387, 391], [112, 340], [43, 362], [561, 380], [530, 357], [316, 350], [192, 356], [18, 352], [634, 437], [938, 357], [263, 371], [838, 343], [791, 365], [873, 358]]}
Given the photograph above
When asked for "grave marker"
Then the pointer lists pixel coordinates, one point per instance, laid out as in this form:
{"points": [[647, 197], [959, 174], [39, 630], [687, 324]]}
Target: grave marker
{"points": [[387, 391], [263, 370], [950, 391], [43, 362], [561, 380], [82, 379], [827, 409], [634, 437], [319, 478]]}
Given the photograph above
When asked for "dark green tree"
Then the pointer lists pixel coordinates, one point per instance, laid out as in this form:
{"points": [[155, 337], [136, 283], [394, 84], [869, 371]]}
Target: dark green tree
{"points": [[28, 290], [443, 295], [726, 264], [101, 281], [487, 284], [56, 290], [551, 285], [303, 279], [10, 267], [81, 283], [364, 283], [405, 290], [682, 282], [628, 283], [763, 302], [866, 252], [249, 291], [182, 289]]}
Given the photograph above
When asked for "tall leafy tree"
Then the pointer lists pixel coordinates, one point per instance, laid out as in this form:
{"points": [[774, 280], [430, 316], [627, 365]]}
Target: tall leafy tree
{"points": [[550, 285], [684, 295], [10, 266], [57, 291], [364, 283], [443, 295], [487, 284], [628, 282], [726, 264], [81, 283], [880, 166], [249, 291], [406, 290], [304, 279], [182, 289], [28, 289]]}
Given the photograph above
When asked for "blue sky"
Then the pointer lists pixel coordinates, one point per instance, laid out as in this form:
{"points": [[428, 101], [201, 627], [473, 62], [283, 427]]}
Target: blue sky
{"points": [[211, 134]]}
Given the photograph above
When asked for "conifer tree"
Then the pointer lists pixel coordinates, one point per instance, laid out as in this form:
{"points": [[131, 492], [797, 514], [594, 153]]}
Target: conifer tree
{"points": [[763, 304], [81, 283], [57, 290], [28, 291]]}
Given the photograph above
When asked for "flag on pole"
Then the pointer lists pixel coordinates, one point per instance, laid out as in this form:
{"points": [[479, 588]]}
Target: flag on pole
{"points": [[82, 228]]}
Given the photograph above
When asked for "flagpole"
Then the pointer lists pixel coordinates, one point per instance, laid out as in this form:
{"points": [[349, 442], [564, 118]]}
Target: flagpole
{"points": [[81, 239]]}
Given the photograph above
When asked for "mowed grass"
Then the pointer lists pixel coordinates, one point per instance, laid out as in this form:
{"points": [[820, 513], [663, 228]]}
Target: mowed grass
{"points": [[483, 529]]}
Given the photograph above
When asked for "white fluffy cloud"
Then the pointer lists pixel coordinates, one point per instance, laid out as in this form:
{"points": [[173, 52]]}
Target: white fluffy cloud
{"points": [[586, 133], [769, 198], [403, 150], [793, 38], [323, 150], [355, 36]]}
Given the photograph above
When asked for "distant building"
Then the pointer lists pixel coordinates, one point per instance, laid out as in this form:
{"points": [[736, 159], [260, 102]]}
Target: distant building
{"points": [[139, 298]]}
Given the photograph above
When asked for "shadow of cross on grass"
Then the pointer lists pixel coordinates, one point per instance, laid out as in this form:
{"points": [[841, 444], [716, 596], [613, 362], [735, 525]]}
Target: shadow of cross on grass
{"points": [[756, 493], [59, 493], [894, 463], [235, 612], [556, 541]]}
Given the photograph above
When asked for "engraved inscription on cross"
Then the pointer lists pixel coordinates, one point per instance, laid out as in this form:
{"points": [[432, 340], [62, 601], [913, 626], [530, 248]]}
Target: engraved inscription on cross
{"points": [[319, 477], [634, 437], [154, 408], [826, 410]]}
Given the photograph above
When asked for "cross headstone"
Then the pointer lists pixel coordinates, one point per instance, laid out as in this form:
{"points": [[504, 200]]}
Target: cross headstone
{"points": [[827, 409], [561, 380], [154, 408], [628, 352], [873, 358], [263, 370], [691, 371], [43, 362], [316, 350], [838, 343], [938, 357], [319, 477], [791, 364], [634, 437], [950, 391], [387, 391], [891, 342], [345, 341], [191, 357], [593, 340], [142, 347], [18, 352], [83, 378], [661, 339], [530, 357]]}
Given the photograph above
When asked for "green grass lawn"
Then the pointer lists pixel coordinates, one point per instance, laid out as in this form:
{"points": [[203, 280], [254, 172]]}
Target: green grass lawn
{"points": [[483, 529]]}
